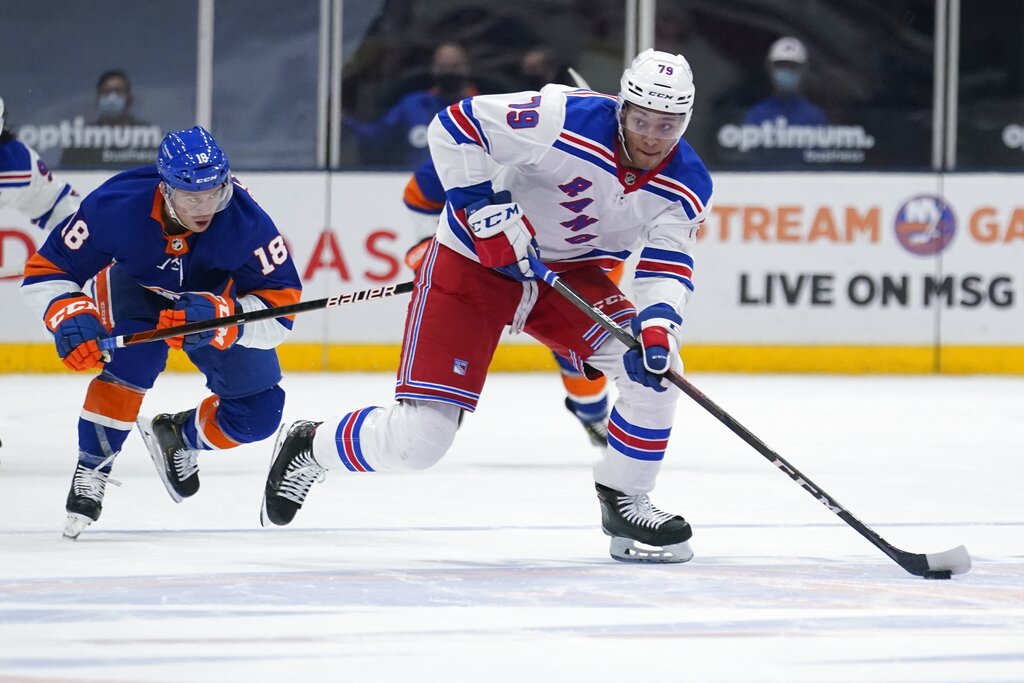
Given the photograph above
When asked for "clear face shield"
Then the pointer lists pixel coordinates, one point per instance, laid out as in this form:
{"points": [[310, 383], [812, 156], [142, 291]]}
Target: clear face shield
{"points": [[184, 205], [652, 124]]}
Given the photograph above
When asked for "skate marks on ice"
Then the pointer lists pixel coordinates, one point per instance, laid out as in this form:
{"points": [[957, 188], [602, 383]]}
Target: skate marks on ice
{"points": [[252, 600], [243, 570]]}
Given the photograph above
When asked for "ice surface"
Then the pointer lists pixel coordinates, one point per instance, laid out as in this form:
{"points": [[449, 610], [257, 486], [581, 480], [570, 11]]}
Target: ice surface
{"points": [[492, 567]]}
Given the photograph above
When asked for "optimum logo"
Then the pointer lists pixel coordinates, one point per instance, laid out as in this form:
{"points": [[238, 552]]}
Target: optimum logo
{"points": [[925, 225], [76, 133], [820, 144]]}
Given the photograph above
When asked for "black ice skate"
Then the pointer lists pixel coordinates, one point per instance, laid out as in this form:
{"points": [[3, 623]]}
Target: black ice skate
{"points": [[597, 430], [85, 499], [292, 472], [632, 519], [175, 462]]}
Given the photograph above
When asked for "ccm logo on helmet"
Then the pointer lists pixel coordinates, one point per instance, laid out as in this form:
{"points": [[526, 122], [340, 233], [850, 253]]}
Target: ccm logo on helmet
{"points": [[652, 93]]}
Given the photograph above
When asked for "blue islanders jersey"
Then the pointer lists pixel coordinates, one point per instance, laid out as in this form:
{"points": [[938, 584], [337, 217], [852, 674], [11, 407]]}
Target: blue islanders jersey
{"points": [[240, 254], [557, 152]]}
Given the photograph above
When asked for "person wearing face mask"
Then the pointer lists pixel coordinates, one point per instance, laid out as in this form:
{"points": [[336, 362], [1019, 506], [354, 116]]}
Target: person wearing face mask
{"points": [[786, 65], [404, 126], [172, 243], [110, 140], [114, 100]]}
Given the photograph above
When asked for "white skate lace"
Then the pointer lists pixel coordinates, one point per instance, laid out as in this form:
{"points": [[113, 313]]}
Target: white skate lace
{"points": [[638, 510], [185, 463], [302, 472], [92, 483]]}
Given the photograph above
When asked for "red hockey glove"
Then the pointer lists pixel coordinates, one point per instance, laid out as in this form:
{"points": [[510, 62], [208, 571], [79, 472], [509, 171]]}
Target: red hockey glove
{"points": [[502, 235]]}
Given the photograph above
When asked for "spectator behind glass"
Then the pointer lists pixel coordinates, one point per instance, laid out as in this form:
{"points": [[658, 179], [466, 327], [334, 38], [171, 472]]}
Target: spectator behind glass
{"points": [[404, 126], [541, 66], [115, 138], [787, 65]]}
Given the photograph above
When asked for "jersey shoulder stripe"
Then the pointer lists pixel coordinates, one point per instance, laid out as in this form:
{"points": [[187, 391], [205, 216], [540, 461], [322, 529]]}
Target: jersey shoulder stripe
{"points": [[462, 125], [587, 150], [684, 179], [591, 116]]}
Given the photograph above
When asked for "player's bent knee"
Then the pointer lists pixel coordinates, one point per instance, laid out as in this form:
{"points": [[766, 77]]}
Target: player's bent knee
{"points": [[252, 418], [430, 431]]}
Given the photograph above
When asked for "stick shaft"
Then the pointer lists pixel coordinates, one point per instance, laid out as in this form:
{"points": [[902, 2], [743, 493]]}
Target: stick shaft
{"points": [[915, 564], [157, 334]]}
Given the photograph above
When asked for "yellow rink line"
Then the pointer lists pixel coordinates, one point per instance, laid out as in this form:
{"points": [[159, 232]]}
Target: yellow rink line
{"points": [[954, 360]]}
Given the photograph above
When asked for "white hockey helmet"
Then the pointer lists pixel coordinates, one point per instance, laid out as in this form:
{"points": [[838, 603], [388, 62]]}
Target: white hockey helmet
{"points": [[661, 82]]}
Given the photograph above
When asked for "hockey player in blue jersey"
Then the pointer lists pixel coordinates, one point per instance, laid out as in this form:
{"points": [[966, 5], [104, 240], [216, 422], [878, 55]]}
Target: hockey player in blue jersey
{"points": [[28, 186], [170, 244]]}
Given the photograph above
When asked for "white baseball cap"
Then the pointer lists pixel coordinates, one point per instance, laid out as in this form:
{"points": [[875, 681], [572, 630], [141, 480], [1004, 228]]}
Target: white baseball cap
{"points": [[788, 49]]}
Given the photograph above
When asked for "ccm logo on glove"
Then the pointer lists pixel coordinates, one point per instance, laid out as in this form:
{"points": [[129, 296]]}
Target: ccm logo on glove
{"points": [[76, 307], [490, 219]]}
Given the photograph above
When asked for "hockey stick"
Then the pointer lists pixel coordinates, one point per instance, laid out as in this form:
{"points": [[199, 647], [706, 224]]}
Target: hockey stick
{"points": [[157, 334], [930, 566]]}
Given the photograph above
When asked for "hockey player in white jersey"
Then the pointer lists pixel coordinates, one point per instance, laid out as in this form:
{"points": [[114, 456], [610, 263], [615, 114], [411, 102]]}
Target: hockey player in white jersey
{"points": [[28, 186], [583, 179]]}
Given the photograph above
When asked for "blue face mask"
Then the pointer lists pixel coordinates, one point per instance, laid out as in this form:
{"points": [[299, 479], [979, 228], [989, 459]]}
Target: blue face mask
{"points": [[785, 80], [112, 104]]}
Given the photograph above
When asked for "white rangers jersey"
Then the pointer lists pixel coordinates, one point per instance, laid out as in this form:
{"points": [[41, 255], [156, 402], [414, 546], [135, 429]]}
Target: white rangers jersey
{"points": [[557, 152], [28, 186]]}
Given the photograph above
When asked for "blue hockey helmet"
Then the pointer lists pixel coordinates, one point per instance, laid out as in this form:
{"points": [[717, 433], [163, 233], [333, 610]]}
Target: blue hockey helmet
{"points": [[196, 178], [191, 160]]}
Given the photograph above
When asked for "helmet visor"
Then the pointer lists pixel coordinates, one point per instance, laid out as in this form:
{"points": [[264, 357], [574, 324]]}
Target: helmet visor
{"points": [[652, 124], [203, 203]]}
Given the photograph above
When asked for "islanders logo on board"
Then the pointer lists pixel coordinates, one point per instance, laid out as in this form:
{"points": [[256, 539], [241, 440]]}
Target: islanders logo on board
{"points": [[925, 225]]}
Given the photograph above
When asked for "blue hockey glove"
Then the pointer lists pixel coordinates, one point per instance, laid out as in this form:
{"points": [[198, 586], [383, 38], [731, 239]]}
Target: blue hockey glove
{"points": [[656, 328], [75, 323], [196, 306]]}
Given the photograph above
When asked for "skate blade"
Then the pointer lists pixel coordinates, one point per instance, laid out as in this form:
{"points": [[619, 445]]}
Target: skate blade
{"points": [[74, 525], [145, 425], [282, 433], [628, 550]]}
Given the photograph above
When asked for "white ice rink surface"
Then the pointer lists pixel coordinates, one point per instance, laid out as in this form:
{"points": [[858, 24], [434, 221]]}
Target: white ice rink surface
{"points": [[492, 566]]}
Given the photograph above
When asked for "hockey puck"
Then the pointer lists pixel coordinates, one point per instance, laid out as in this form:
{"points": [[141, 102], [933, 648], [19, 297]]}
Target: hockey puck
{"points": [[938, 574]]}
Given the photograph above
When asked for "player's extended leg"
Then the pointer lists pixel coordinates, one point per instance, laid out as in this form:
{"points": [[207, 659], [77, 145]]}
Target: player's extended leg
{"points": [[638, 431], [245, 407], [451, 332], [411, 435]]}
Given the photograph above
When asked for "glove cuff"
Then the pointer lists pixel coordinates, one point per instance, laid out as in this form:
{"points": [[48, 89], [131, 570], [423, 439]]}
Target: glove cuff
{"points": [[67, 306]]}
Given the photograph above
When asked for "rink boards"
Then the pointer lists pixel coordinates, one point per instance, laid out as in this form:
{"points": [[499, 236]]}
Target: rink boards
{"points": [[894, 273]]}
